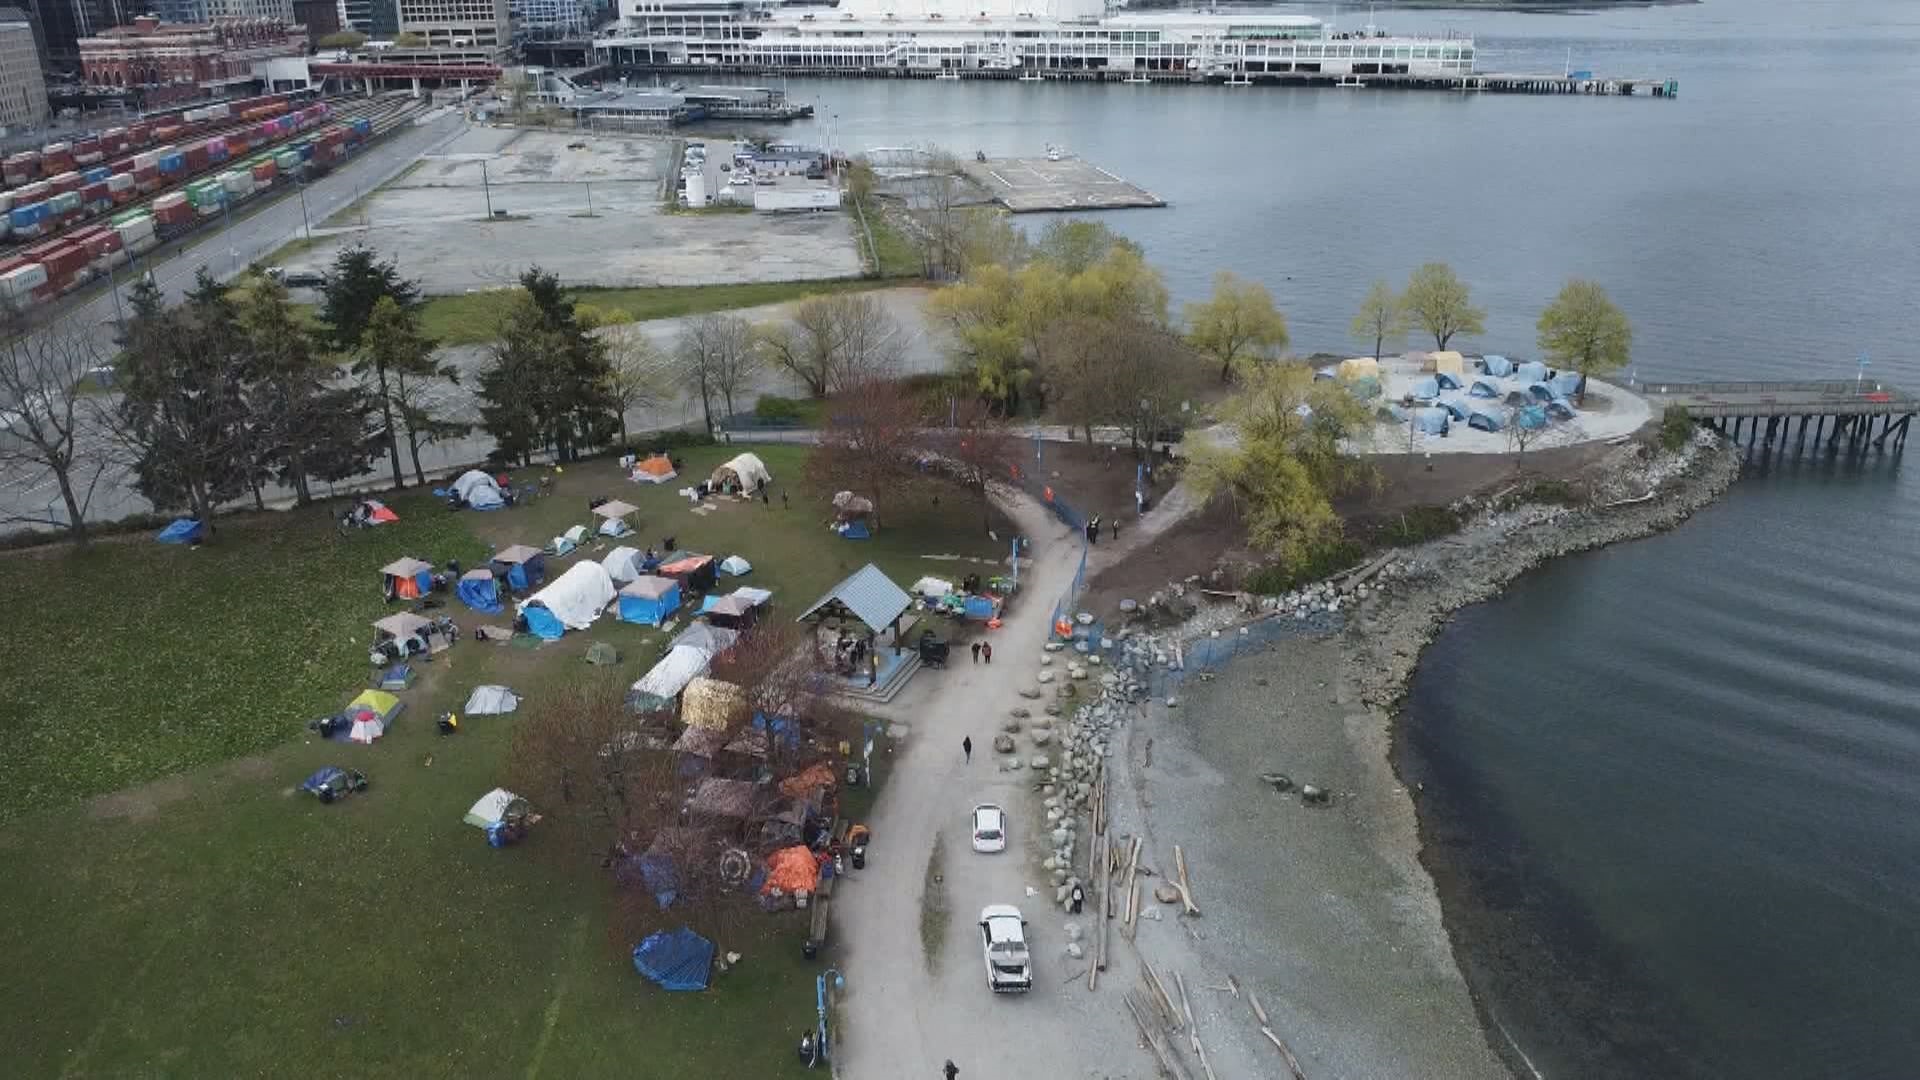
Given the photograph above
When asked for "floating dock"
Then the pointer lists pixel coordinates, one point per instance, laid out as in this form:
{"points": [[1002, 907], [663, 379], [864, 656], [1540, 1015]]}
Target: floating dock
{"points": [[1842, 414], [1035, 185]]}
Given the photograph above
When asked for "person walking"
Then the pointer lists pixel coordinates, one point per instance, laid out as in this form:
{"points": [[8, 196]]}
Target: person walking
{"points": [[1115, 523], [986, 651], [976, 652], [951, 1070], [785, 503], [966, 747]]}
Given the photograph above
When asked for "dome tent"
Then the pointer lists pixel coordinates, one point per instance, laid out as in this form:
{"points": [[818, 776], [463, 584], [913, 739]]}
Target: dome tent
{"points": [[572, 602], [479, 591], [657, 469], [478, 491], [623, 564], [748, 469]]}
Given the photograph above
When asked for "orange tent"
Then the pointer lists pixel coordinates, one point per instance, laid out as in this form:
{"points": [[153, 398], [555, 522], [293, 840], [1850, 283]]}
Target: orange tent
{"points": [[654, 470], [792, 870]]}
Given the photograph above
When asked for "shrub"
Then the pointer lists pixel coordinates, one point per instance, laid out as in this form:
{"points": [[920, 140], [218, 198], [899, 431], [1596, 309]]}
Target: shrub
{"points": [[1321, 561], [1418, 525], [1676, 427], [774, 409]]}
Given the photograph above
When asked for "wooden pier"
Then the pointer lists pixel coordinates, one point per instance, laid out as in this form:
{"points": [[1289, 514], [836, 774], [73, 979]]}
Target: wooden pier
{"points": [[1842, 415]]}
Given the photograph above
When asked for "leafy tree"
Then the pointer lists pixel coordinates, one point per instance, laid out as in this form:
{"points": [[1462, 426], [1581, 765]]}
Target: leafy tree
{"points": [[304, 424], [1075, 245], [1584, 330], [1676, 426], [1381, 318], [1439, 301], [1317, 420], [834, 339], [1285, 512], [342, 39], [416, 382], [513, 384], [49, 431], [1238, 323], [548, 382], [355, 286], [717, 357]]}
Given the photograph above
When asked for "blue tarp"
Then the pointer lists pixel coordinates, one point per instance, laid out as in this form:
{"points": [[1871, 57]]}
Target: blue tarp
{"points": [[1430, 421], [979, 607], [1484, 420], [639, 609], [1567, 382], [856, 530], [1425, 389], [676, 959], [1496, 365], [183, 531], [1483, 389], [544, 624], [663, 881], [1541, 392], [1530, 371], [1447, 380], [780, 729], [1531, 417], [480, 593]]}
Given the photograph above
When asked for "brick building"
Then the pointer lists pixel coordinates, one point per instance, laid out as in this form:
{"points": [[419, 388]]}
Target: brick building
{"points": [[209, 56]]}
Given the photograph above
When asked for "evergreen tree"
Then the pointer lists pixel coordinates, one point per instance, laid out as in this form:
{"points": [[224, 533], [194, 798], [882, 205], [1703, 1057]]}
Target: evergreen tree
{"points": [[393, 343], [357, 284], [549, 380]]}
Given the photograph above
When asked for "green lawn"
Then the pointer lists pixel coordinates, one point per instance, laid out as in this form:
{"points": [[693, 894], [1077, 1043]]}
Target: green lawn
{"points": [[214, 922], [470, 318]]}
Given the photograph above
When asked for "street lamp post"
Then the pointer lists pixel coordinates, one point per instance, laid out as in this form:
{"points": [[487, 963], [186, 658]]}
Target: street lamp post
{"points": [[486, 190]]}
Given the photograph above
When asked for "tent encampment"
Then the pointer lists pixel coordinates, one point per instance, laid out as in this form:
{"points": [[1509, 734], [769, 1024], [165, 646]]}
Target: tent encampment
{"points": [[522, 565], [657, 469], [491, 701], [1431, 421], [479, 591], [1496, 365], [406, 579], [1485, 420], [183, 531], [623, 564], [572, 602], [478, 491], [649, 600], [675, 959], [1530, 371], [614, 516], [1357, 367], [747, 469], [1483, 388], [735, 566], [1424, 389]]}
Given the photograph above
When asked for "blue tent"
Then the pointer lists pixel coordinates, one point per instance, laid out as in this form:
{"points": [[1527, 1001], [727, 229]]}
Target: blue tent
{"points": [[1530, 371], [543, 624], [676, 959], [856, 530], [1425, 389], [649, 600], [1484, 420], [1560, 410], [183, 531], [1430, 421], [1495, 365], [1447, 380], [1483, 389], [478, 591], [1531, 417], [1567, 382], [1541, 392], [1456, 411], [523, 566], [1366, 388]]}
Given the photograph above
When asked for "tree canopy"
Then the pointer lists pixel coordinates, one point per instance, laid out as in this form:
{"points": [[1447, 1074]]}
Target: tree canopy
{"points": [[548, 380], [1584, 330], [1438, 300], [1239, 323]]}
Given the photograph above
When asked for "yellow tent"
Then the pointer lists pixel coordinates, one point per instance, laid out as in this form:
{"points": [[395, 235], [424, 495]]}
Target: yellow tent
{"points": [[1449, 363], [1358, 367], [711, 703]]}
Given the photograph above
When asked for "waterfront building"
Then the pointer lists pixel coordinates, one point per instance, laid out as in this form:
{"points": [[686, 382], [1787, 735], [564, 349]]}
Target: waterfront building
{"points": [[213, 57]]}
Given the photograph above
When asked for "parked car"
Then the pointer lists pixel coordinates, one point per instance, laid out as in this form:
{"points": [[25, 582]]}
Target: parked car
{"points": [[1003, 939], [989, 828], [297, 279]]}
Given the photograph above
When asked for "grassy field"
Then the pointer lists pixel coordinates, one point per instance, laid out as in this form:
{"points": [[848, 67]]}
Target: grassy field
{"points": [[206, 919], [470, 318]]}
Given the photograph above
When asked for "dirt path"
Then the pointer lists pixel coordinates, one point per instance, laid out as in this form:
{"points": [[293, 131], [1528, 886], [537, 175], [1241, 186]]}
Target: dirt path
{"points": [[901, 1021]]}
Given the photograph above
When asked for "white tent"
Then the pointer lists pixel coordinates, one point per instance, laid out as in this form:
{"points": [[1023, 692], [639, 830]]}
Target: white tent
{"points": [[478, 490], [577, 597], [735, 565], [491, 701], [681, 665], [748, 468], [623, 564], [494, 807], [366, 729], [576, 535]]}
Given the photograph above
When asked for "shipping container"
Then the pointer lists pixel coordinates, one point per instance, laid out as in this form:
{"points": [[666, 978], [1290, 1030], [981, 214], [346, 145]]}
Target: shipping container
{"points": [[67, 202], [287, 160], [34, 192], [22, 283], [263, 172], [218, 112], [67, 181], [147, 179], [196, 156], [93, 194], [114, 140], [238, 183], [120, 183], [96, 174], [168, 132], [6, 202], [29, 220]]}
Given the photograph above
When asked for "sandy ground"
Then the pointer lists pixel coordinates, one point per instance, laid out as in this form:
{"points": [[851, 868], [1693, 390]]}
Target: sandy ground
{"points": [[1608, 412], [433, 220]]}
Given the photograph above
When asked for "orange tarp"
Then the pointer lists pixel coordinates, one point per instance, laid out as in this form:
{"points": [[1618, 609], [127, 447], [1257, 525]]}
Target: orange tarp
{"points": [[805, 783], [793, 870]]}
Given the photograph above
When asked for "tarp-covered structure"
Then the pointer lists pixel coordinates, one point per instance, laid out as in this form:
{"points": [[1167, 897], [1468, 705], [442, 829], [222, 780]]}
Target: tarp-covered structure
{"points": [[522, 565], [792, 870], [722, 802], [659, 866], [1449, 362], [406, 579], [1431, 421], [478, 491], [680, 666], [1496, 365], [675, 959], [614, 515], [695, 573], [1357, 367], [649, 600], [866, 595], [733, 611], [572, 602], [850, 507], [711, 703], [657, 469], [183, 531], [478, 590], [491, 701], [624, 564], [748, 469]]}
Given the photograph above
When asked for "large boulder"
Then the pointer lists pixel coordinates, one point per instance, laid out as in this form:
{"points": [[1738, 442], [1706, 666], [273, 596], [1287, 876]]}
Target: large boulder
{"points": [[1003, 744]]}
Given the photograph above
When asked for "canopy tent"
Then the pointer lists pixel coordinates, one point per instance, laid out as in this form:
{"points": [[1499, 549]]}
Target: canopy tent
{"points": [[694, 572], [1485, 420], [711, 703], [1449, 362], [675, 959], [657, 469], [1424, 389], [1496, 365], [751, 595], [867, 595], [1456, 411], [522, 566], [406, 626], [1430, 421], [371, 712], [613, 516], [479, 591], [478, 491], [1566, 383], [850, 507], [1358, 367], [183, 531], [1482, 388], [572, 602], [681, 665], [1530, 417], [649, 600], [732, 612], [1447, 380], [1560, 410], [748, 469], [735, 566], [1530, 371], [491, 701], [406, 579], [1541, 392], [623, 564]]}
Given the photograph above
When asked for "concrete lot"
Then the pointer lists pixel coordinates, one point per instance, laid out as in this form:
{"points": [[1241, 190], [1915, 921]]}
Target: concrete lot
{"points": [[1027, 185], [433, 221]]}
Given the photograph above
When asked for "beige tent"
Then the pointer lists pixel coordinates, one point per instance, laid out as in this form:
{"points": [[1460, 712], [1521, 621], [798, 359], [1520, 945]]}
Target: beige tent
{"points": [[746, 468], [1359, 367], [1449, 363], [711, 703]]}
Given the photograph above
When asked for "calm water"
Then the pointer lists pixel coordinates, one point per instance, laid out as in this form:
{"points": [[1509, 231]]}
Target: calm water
{"points": [[1674, 788]]}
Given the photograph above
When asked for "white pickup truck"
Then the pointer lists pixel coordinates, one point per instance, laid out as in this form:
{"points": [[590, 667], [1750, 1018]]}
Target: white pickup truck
{"points": [[1003, 936]]}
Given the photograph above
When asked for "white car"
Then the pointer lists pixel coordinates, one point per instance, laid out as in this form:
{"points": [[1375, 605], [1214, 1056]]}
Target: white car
{"points": [[1003, 939], [989, 828]]}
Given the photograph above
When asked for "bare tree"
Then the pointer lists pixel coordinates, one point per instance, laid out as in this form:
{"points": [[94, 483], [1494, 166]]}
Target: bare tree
{"points": [[935, 208], [833, 340], [975, 451], [49, 431], [639, 372], [718, 359], [870, 442]]}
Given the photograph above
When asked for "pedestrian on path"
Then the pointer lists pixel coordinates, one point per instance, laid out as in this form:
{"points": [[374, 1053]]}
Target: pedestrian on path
{"points": [[986, 651], [785, 503], [951, 1070], [966, 747], [976, 652], [1116, 528]]}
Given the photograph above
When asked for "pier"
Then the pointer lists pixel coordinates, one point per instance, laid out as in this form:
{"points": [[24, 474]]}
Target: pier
{"points": [[1851, 416], [1033, 185]]}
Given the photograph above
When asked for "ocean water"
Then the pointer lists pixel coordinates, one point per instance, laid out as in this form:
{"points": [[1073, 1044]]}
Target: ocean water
{"points": [[1672, 789]]}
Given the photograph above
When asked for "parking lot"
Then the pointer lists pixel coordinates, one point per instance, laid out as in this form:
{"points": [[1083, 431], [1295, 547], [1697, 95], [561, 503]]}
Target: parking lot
{"points": [[588, 208]]}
